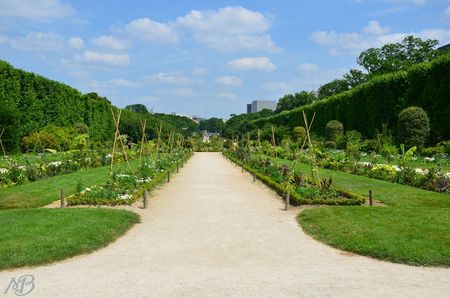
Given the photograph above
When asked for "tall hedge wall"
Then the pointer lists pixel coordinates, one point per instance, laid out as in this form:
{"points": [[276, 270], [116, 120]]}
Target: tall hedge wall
{"points": [[29, 102], [41, 101], [366, 107]]}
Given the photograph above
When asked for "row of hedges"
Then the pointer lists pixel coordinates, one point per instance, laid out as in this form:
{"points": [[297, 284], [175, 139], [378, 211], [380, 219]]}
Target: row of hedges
{"points": [[30, 102], [295, 198], [366, 107]]}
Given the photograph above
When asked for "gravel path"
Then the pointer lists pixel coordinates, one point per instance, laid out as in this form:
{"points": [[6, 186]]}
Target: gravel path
{"points": [[211, 232]]}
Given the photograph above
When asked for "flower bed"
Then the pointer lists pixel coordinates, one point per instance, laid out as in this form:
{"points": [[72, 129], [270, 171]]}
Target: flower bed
{"points": [[126, 188], [302, 189]]}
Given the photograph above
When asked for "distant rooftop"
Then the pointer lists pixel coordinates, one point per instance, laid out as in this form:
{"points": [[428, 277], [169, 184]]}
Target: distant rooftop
{"points": [[444, 48]]}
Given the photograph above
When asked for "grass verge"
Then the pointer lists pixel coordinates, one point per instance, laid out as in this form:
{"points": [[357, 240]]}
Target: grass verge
{"points": [[31, 237], [392, 194], [43, 192], [415, 236], [413, 228]]}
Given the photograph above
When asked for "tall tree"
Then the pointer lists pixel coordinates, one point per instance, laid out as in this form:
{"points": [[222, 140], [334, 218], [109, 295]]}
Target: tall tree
{"points": [[291, 101], [398, 56]]}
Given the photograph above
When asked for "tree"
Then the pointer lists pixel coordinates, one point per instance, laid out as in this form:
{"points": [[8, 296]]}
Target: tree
{"points": [[212, 125], [355, 77], [137, 108], [413, 127], [292, 101], [397, 56], [9, 121], [333, 87]]}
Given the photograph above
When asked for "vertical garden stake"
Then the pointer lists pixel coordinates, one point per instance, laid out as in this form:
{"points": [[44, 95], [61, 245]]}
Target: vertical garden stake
{"points": [[145, 198], [370, 198], [63, 199], [254, 177], [168, 176], [177, 168], [286, 201], [1, 143]]}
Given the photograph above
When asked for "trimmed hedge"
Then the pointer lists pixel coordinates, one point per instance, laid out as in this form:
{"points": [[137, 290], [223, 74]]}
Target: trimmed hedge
{"points": [[366, 107], [295, 198]]}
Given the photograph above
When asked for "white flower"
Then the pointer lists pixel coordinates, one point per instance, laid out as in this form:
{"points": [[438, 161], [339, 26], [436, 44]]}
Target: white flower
{"points": [[429, 159], [3, 171], [421, 171], [87, 189]]}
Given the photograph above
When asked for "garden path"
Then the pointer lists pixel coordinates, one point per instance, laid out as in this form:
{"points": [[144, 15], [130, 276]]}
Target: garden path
{"points": [[211, 232]]}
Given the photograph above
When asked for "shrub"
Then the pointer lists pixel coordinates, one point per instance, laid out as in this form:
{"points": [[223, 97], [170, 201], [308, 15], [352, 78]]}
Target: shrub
{"points": [[299, 133], [333, 130], [40, 141], [413, 127]]}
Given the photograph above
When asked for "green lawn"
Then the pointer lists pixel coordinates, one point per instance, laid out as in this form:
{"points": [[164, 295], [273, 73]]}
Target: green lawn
{"points": [[392, 194], [412, 235], [38, 236], [43, 192], [413, 227]]}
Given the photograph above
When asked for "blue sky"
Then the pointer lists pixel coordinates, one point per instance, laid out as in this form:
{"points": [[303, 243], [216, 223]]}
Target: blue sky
{"points": [[205, 58]]}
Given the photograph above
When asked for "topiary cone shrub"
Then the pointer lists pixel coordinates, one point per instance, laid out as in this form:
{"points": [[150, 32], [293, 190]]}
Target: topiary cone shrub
{"points": [[333, 130], [299, 133], [413, 127]]}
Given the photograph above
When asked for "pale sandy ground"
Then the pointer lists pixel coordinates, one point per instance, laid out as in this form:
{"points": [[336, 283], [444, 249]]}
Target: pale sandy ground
{"points": [[211, 232]]}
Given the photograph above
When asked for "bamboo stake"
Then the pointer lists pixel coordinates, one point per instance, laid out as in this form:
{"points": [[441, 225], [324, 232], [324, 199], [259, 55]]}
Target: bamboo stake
{"points": [[309, 128], [259, 137], [1, 143], [143, 139], [274, 145], [115, 137], [314, 169]]}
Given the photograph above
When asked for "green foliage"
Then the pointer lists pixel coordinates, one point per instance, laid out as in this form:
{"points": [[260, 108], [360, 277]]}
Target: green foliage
{"points": [[397, 56], [413, 128], [299, 133], [9, 124], [291, 101], [212, 125], [334, 87], [40, 141], [368, 106], [333, 130], [137, 108]]}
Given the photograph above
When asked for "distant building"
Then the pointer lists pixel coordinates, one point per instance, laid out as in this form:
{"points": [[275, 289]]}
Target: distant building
{"points": [[259, 105]]}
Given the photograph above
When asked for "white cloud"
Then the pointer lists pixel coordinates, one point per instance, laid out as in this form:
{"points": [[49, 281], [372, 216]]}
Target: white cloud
{"points": [[163, 77], [413, 2], [38, 41], [123, 83], [308, 67], [227, 95], [149, 30], [110, 42], [447, 11], [231, 20], [229, 29], [375, 28], [3, 39], [200, 71], [76, 43], [113, 83], [276, 86], [104, 58], [229, 81], [183, 92], [255, 63], [356, 42], [36, 9]]}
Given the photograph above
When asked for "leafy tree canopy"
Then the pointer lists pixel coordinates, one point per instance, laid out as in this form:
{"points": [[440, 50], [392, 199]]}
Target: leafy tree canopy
{"points": [[398, 56]]}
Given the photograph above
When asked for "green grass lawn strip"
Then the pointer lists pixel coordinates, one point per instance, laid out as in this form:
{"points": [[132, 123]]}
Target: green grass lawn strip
{"points": [[31, 237], [411, 235], [43, 192]]}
